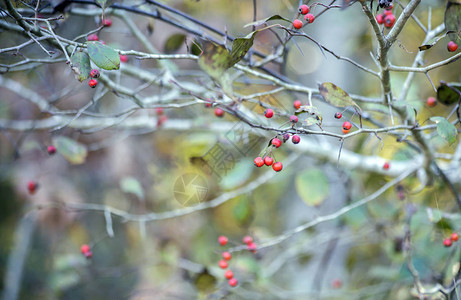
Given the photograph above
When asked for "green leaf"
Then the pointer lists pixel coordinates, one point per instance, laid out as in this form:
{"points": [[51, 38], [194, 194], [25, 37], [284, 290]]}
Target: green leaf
{"points": [[336, 96], [453, 20], [314, 116], [265, 20], [214, 59], [103, 56], [174, 42], [312, 186], [445, 129], [205, 282], [81, 65], [132, 186], [196, 48], [447, 93], [72, 150], [240, 47]]}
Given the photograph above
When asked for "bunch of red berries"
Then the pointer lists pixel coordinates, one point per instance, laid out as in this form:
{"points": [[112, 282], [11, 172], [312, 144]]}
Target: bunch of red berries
{"points": [[387, 18], [86, 251], [454, 237], [224, 263], [309, 18], [93, 82]]}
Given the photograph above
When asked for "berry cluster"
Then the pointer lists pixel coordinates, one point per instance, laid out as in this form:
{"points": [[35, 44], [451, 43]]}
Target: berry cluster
{"points": [[309, 18], [454, 237], [161, 117], [387, 18], [86, 251], [223, 263], [93, 82]]}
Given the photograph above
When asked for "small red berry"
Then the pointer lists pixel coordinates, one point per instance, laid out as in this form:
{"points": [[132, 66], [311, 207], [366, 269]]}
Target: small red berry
{"points": [[107, 22], [269, 113], [161, 119], [293, 119], [295, 139], [303, 9], [346, 131], [454, 237], [389, 21], [259, 161], [447, 243], [233, 282], [252, 247], [347, 125], [88, 254], [223, 264], [297, 104], [229, 274], [452, 46], [285, 137], [226, 255], [124, 58], [247, 239], [51, 150], [297, 24], [380, 19], [277, 166], [222, 240], [337, 283], [32, 187], [309, 18], [93, 37], [388, 12], [431, 102], [85, 248], [268, 160], [386, 165], [219, 112], [94, 73], [159, 111], [208, 103], [276, 142], [93, 83], [338, 115]]}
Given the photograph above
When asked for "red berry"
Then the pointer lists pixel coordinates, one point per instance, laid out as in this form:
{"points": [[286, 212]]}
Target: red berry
{"points": [[252, 247], [85, 248], [229, 274], [32, 187], [223, 264], [219, 112], [380, 19], [208, 103], [88, 254], [293, 119], [222, 240], [94, 73], [259, 161], [431, 102], [102, 42], [338, 115], [268, 160], [93, 37], [51, 150], [269, 113], [276, 142], [454, 237], [277, 166], [285, 137], [124, 58], [309, 18], [107, 22], [386, 165], [337, 283], [247, 239], [447, 243], [346, 131], [295, 139], [297, 104], [297, 24], [303, 9], [389, 21], [226, 255], [161, 119], [159, 111], [93, 83], [233, 282], [390, 6], [347, 125], [388, 12], [452, 46]]}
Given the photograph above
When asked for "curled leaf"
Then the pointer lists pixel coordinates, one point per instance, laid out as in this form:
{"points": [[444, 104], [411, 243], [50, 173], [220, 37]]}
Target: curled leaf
{"points": [[72, 150], [265, 20], [433, 41], [336, 96], [81, 65]]}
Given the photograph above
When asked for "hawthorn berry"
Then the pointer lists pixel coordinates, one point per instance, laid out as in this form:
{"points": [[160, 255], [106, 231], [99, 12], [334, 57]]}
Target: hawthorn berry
{"points": [[285, 137], [431, 102], [268, 160], [226, 255], [303, 9], [161, 119], [337, 283], [102, 42], [346, 131], [208, 102], [295, 139], [347, 125], [309, 18], [219, 112], [277, 166], [123, 58], [93, 83], [88, 254], [276, 142], [94, 73], [386, 165], [452, 46], [338, 115], [233, 282], [454, 237], [85, 248], [51, 150], [32, 187], [380, 19], [259, 161], [297, 24], [159, 111], [389, 21], [293, 119], [388, 12], [297, 104], [93, 37], [106, 22], [247, 239], [447, 243], [269, 113], [252, 247], [222, 240], [229, 274], [223, 264]]}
